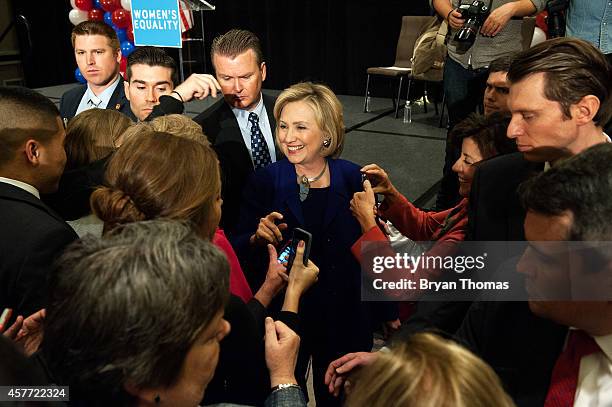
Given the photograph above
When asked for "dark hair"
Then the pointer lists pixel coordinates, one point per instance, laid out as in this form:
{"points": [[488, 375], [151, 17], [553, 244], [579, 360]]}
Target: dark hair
{"points": [[158, 175], [582, 185], [128, 308], [152, 56], [572, 69], [488, 132], [24, 114], [90, 27], [502, 64], [235, 42], [91, 135]]}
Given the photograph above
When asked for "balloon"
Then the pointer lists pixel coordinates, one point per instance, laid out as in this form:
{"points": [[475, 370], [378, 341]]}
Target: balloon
{"points": [[84, 5], [77, 16], [110, 5], [95, 14], [79, 76], [123, 64], [130, 33], [121, 34], [126, 4], [96, 4], [127, 48], [72, 4], [108, 18], [121, 18]]}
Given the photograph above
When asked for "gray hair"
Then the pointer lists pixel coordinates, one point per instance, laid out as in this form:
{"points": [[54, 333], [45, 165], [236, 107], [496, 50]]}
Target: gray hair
{"points": [[129, 306]]}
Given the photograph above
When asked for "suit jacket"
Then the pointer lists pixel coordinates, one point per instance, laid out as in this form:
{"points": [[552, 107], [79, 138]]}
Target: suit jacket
{"points": [[521, 347], [32, 236], [69, 103], [221, 127], [335, 319], [495, 212]]}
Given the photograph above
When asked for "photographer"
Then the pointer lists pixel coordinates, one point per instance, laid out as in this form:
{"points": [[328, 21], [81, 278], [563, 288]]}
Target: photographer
{"points": [[466, 69]]}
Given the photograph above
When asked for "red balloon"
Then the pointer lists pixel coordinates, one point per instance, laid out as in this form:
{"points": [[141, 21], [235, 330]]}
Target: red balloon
{"points": [[84, 5], [95, 15], [123, 65], [110, 5], [130, 33], [121, 18]]}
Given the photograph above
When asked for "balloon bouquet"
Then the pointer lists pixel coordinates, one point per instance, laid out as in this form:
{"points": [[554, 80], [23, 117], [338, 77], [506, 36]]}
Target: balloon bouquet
{"points": [[115, 13]]}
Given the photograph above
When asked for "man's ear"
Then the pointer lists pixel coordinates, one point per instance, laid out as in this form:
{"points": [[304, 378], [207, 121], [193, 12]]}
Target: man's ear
{"points": [[262, 68], [585, 109], [126, 89], [32, 151], [119, 55]]}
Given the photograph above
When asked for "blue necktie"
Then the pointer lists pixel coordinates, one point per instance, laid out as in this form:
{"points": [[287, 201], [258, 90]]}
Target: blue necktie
{"points": [[259, 147]]}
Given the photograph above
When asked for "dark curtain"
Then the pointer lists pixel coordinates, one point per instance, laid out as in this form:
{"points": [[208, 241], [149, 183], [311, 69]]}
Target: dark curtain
{"points": [[332, 41]]}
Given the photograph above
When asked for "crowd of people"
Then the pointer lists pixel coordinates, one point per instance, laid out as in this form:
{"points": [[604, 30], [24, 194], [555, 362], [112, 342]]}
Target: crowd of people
{"points": [[139, 259]]}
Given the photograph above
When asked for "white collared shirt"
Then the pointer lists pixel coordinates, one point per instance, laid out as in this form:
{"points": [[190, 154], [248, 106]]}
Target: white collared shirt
{"points": [[595, 376], [264, 124], [22, 185], [90, 100]]}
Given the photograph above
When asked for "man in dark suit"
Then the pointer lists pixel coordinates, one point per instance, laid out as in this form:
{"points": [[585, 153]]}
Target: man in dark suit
{"points": [[241, 126], [567, 285], [98, 55], [32, 159]]}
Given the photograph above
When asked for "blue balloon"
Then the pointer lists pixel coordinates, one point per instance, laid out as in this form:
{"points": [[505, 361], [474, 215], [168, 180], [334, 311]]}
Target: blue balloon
{"points": [[108, 18], [97, 4], [121, 34], [79, 76], [127, 48]]}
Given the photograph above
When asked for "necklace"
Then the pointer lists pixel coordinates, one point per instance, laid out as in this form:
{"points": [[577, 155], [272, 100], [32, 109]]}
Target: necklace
{"points": [[305, 183]]}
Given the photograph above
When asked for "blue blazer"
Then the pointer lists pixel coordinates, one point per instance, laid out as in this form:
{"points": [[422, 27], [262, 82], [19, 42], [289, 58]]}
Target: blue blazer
{"points": [[69, 103], [334, 302]]}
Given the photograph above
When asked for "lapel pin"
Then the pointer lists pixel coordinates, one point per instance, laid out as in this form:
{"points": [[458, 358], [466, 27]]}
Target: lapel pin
{"points": [[117, 106]]}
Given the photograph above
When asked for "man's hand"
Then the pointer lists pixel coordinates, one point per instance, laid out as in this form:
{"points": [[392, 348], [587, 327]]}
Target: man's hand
{"points": [[282, 345], [455, 20], [497, 20], [363, 207], [338, 370], [197, 86], [268, 231]]}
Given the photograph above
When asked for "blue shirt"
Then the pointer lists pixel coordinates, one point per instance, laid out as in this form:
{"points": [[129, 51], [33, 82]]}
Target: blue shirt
{"points": [[591, 20], [242, 116], [90, 100]]}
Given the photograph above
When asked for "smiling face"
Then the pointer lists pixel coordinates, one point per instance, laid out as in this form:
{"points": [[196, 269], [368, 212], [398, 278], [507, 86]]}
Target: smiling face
{"points": [[299, 135], [146, 85], [539, 127], [97, 61], [496, 93], [240, 78], [464, 166]]}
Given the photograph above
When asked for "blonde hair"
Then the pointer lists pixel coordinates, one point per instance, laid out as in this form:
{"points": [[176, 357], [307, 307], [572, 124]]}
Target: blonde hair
{"points": [[327, 110], [427, 371], [92, 135], [158, 175], [181, 126]]}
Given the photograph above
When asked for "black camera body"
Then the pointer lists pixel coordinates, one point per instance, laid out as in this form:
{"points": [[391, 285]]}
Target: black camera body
{"points": [[474, 14]]}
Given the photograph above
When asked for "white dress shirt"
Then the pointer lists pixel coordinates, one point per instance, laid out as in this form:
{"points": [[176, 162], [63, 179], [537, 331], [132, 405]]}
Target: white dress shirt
{"points": [[264, 124], [595, 376], [22, 185], [90, 100]]}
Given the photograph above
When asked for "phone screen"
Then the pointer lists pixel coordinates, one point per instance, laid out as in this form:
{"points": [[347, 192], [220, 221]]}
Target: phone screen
{"points": [[287, 252]]}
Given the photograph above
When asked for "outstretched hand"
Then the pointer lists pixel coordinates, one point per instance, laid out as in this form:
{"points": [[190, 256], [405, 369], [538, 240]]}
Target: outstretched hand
{"points": [[197, 86], [268, 231], [363, 207], [282, 345], [339, 369]]}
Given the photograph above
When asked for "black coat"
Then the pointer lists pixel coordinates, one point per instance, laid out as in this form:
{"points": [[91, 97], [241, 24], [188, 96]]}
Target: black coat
{"points": [[69, 103], [32, 236], [221, 127]]}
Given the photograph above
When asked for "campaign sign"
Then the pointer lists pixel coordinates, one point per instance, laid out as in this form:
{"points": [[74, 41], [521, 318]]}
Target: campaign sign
{"points": [[156, 23]]}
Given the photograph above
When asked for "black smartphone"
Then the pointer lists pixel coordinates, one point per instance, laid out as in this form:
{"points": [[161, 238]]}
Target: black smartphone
{"points": [[289, 250]]}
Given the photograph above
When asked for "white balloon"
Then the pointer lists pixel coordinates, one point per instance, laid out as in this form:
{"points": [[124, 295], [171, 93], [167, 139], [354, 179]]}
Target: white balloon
{"points": [[72, 4], [77, 16], [126, 4], [538, 36]]}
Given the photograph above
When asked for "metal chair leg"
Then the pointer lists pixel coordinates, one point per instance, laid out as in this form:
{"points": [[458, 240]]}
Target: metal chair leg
{"points": [[365, 99], [399, 94], [442, 113]]}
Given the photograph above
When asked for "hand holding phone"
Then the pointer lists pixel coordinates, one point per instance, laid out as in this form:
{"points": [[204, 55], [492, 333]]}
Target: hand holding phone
{"points": [[289, 250]]}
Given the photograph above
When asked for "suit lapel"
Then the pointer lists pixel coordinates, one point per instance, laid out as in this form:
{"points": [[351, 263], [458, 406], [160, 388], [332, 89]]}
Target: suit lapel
{"points": [[11, 192], [338, 192], [289, 187], [118, 101], [269, 103], [74, 103]]}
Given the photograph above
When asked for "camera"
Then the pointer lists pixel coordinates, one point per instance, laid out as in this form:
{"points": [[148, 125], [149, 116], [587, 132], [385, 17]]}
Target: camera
{"points": [[474, 14]]}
